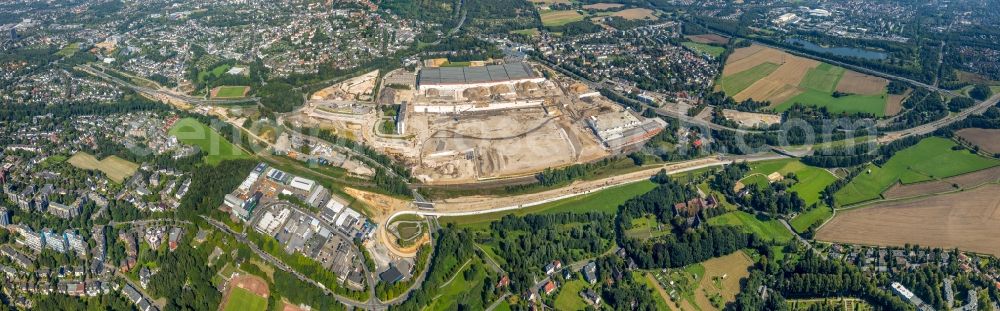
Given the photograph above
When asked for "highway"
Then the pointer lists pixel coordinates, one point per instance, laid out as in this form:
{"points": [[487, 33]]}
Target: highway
{"points": [[640, 176], [161, 93]]}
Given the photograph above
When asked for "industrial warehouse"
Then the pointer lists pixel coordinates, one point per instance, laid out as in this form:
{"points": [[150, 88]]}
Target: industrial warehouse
{"points": [[454, 81]]}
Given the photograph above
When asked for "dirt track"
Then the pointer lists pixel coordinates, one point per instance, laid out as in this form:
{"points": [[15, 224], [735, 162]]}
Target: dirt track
{"points": [[969, 220]]}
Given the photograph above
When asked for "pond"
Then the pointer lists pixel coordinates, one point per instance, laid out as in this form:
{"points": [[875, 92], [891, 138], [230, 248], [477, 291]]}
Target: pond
{"points": [[839, 51]]}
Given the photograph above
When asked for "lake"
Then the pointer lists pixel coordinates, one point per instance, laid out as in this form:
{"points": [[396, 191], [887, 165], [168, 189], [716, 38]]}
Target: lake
{"points": [[839, 51]]}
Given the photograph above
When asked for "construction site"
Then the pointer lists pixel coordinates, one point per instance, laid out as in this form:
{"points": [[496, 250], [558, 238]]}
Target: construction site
{"points": [[471, 124]]}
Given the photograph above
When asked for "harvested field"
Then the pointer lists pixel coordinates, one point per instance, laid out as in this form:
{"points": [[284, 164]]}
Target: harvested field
{"points": [[988, 140], [799, 79], [602, 6], [635, 14], [964, 181], [969, 220], [895, 103], [117, 169], [722, 279], [709, 38], [559, 18], [858, 83]]}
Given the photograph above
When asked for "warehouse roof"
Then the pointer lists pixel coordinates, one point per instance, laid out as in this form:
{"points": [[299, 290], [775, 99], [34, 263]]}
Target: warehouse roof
{"points": [[468, 75]]}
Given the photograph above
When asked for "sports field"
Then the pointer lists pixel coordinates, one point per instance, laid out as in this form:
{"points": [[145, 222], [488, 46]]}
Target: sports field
{"points": [[766, 74], [213, 146], [713, 50], [243, 300], [230, 91], [117, 169], [605, 201], [559, 18], [930, 159], [771, 230]]}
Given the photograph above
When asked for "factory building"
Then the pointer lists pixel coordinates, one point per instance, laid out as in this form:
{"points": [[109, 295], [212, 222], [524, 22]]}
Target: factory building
{"points": [[453, 81], [623, 131]]}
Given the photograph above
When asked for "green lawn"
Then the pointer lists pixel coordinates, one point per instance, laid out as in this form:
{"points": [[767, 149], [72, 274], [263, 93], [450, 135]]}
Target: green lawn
{"points": [[803, 221], [823, 78], [756, 179], [873, 104], [605, 201], [709, 49], [735, 83], [213, 146], [768, 230], [243, 300], [569, 296], [230, 92], [930, 159], [69, 50], [646, 228]]}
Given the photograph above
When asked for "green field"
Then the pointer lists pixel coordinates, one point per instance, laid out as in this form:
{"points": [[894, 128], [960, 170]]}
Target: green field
{"points": [[873, 104], [756, 179], [243, 300], [456, 64], [930, 159], [771, 230], [559, 18], [531, 32], [117, 169], [735, 83], [230, 92], [647, 227], [605, 201], [709, 49], [812, 180], [69, 50], [803, 221], [462, 290], [217, 71], [569, 296], [823, 78], [213, 146]]}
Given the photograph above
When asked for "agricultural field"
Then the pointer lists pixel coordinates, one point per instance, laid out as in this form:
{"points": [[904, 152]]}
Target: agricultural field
{"points": [[635, 14], [117, 169], [230, 92], [605, 201], [569, 296], [531, 32], [712, 50], [988, 140], [932, 158], [603, 6], [215, 147], [559, 18], [766, 74], [966, 220], [955, 183], [771, 230], [705, 286]]}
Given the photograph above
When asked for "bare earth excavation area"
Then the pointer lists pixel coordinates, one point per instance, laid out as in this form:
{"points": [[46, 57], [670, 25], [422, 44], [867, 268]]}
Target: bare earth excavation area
{"points": [[968, 220]]}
